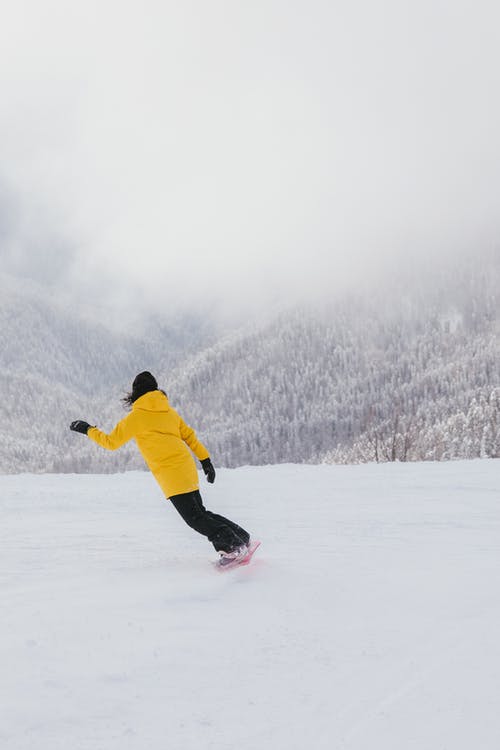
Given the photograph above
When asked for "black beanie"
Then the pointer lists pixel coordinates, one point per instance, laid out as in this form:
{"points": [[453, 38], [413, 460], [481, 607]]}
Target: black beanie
{"points": [[143, 383]]}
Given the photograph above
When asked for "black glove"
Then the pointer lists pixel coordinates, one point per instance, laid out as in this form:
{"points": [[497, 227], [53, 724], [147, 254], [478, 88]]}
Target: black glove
{"points": [[209, 470], [80, 426]]}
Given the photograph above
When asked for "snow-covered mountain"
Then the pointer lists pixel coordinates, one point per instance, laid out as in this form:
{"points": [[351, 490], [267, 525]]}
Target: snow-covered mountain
{"points": [[410, 371], [57, 363]]}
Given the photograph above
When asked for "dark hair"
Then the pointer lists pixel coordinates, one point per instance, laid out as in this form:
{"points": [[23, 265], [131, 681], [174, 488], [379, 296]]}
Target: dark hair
{"points": [[143, 383]]}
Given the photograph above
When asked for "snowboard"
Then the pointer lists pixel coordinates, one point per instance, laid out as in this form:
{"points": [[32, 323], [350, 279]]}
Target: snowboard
{"points": [[252, 547]]}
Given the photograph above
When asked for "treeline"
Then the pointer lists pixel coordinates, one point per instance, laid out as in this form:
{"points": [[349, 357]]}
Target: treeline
{"points": [[473, 433]]}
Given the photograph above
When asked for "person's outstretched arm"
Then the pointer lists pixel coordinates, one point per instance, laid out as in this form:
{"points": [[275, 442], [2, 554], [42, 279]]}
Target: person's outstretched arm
{"points": [[121, 434]]}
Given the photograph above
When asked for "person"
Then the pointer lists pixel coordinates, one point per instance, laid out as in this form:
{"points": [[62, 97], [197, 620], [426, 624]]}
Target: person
{"points": [[164, 441]]}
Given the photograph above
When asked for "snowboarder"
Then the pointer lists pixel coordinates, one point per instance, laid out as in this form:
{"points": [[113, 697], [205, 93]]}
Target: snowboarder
{"points": [[164, 440]]}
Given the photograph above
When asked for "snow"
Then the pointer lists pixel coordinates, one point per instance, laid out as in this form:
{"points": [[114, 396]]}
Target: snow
{"points": [[368, 619]]}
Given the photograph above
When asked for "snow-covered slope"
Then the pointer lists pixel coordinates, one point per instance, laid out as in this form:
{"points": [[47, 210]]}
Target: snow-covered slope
{"points": [[368, 619]]}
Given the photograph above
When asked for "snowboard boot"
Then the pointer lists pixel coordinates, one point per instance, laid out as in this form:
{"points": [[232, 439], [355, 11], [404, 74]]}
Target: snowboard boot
{"points": [[233, 557]]}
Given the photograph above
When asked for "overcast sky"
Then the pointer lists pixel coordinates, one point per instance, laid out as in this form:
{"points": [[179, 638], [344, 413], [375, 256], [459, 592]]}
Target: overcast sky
{"points": [[244, 151]]}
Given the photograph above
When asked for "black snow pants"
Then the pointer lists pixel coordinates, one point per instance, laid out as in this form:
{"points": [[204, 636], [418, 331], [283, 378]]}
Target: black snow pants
{"points": [[224, 534]]}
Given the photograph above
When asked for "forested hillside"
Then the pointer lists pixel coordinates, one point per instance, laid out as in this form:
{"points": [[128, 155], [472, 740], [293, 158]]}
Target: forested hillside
{"points": [[57, 365], [409, 372]]}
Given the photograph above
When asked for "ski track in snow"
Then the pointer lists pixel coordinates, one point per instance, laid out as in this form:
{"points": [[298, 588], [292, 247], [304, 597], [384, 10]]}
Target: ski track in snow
{"points": [[368, 619]]}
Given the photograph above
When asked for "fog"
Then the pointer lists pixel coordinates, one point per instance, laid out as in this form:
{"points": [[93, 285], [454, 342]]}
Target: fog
{"points": [[231, 155]]}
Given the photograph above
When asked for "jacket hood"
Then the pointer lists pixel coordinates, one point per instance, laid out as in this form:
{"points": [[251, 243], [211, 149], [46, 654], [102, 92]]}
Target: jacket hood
{"points": [[152, 401]]}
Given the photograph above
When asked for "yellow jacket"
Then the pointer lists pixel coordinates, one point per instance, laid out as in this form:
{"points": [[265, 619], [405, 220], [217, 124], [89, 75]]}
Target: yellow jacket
{"points": [[163, 439]]}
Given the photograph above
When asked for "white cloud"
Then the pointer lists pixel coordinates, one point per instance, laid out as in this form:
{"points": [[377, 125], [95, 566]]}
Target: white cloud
{"points": [[250, 150]]}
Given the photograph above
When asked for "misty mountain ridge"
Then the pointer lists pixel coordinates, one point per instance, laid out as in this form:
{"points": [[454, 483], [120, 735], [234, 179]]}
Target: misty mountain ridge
{"points": [[408, 372], [310, 387], [56, 362]]}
